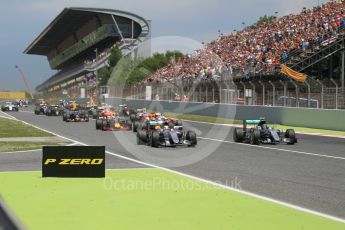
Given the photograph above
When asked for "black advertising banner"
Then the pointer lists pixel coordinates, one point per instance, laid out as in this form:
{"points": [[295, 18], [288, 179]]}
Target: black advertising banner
{"points": [[73, 161]]}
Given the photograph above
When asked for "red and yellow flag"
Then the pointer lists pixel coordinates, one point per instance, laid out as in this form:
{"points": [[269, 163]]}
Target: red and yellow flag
{"points": [[297, 76]]}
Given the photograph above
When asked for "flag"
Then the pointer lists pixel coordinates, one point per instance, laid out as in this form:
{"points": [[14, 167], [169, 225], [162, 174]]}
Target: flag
{"points": [[300, 77]]}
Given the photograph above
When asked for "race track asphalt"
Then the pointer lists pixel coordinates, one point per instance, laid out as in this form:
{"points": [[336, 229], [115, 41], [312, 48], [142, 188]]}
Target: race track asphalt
{"points": [[310, 174]]}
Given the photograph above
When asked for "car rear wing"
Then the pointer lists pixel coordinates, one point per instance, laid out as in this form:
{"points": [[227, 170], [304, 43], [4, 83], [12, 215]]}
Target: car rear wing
{"points": [[250, 122]]}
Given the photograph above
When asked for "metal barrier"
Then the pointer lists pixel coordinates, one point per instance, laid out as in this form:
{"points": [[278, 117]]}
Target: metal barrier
{"points": [[301, 117], [326, 94]]}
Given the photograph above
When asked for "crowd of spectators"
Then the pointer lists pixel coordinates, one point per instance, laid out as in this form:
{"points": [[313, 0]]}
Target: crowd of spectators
{"points": [[100, 56], [260, 47]]}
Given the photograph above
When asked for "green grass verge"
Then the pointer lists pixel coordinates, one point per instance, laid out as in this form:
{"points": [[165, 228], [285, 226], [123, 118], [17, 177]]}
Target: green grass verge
{"points": [[13, 128], [23, 146], [216, 120], [144, 199]]}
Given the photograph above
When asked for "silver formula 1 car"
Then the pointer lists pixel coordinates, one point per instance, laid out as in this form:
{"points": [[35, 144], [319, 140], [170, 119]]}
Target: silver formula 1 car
{"points": [[261, 133]]}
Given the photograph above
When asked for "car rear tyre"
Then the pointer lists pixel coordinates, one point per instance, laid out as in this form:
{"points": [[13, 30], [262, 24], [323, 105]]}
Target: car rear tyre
{"points": [[135, 126], [191, 136], [132, 117], [290, 133], [141, 137], [178, 123], [255, 137], [238, 135], [155, 139], [98, 124]]}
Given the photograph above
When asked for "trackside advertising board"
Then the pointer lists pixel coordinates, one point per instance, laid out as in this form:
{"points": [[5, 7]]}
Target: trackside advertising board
{"points": [[73, 161], [12, 95]]}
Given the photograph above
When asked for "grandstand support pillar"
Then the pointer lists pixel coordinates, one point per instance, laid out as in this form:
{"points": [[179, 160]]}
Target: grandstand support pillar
{"points": [[213, 91], [220, 94], [297, 92], [273, 93], [162, 93], [117, 27], [206, 93], [199, 96], [254, 93], [343, 71], [244, 92], [285, 90], [322, 92], [308, 87], [330, 68], [263, 92], [336, 92]]}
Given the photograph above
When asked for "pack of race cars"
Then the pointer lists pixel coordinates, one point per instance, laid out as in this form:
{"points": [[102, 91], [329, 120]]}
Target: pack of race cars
{"points": [[156, 130]]}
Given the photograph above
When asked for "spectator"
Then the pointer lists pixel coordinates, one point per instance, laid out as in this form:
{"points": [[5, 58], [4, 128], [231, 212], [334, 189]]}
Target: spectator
{"points": [[258, 48]]}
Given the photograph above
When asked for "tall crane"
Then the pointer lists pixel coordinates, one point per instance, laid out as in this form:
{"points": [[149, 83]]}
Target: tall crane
{"points": [[25, 81]]}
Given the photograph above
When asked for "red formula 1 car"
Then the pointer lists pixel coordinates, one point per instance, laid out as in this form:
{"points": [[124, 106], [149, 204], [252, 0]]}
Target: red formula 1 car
{"points": [[111, 121]]}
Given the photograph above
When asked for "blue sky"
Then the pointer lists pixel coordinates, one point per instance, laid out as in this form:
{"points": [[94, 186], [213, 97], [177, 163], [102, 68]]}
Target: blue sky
{"points": [[22, 20]]}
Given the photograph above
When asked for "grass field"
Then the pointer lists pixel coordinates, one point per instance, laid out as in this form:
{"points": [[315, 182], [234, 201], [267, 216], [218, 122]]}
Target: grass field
{"points": [[13, 128], [216, 120], [144, 199]]}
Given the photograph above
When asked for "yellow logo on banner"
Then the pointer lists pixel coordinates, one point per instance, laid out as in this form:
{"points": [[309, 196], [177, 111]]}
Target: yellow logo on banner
{"points": [[74, 161]]}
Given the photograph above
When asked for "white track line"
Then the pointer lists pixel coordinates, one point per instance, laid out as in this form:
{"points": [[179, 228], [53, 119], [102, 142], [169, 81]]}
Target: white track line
{"points": [[24, 151], [209, 182], [272, 148], [73, 144], [5, 115]]}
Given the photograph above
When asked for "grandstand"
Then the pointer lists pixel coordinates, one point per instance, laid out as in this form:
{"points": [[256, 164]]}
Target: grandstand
{"points": [[77, 44], [245, 67]]}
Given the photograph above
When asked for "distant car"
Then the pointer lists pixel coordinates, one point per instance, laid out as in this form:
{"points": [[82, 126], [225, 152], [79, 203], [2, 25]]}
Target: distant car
{"points": [[40, 109], [9, 106], [262, 134], [54, 110], [93, 112], [78, 115]]}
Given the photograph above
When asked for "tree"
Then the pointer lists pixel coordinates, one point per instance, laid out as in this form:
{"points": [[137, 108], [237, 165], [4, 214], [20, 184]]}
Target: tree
{"points": [[105, 72], [264, 19], [104, 75], [149, 65], [115, 56]]}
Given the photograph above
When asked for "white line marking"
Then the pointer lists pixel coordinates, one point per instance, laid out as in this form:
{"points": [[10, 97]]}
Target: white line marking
{"points": [[5, 115], [73, 144], [292, 206], [21, 171], [24, 151], [272, 148]]}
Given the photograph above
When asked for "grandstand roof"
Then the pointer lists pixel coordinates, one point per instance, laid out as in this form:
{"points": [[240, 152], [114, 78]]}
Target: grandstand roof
{"points": [[68, 21]]}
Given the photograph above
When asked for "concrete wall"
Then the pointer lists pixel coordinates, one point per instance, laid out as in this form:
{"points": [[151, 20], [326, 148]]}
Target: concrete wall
{"points": [[312, 118]]}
